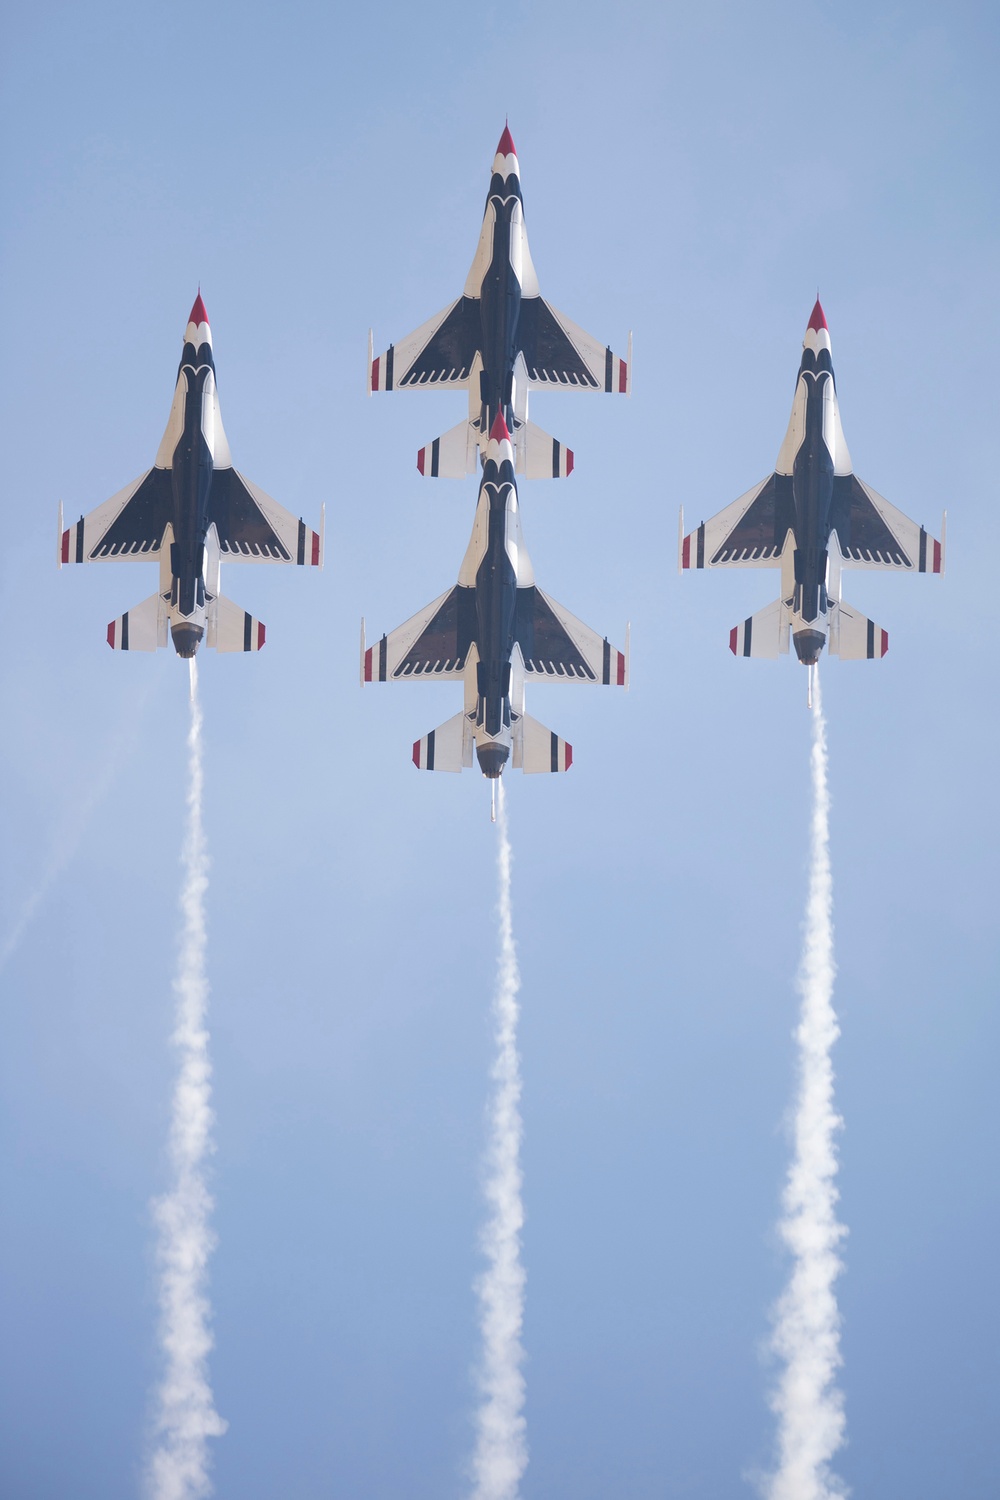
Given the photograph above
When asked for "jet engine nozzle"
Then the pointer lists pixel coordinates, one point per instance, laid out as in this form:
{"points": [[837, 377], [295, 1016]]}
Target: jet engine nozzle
{"points": [[808, 645], [186, 638], [492, 759]]}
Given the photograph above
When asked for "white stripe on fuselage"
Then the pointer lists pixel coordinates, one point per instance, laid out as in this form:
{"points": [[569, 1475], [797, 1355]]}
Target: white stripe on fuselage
{"points": [[211, 421], [513, 536], [517, 248], [833, 431]]}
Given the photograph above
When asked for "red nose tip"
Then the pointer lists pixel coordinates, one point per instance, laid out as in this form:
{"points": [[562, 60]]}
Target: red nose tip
{"points": [[506, 146], [198, 313], [498, 432], [817, 319]]}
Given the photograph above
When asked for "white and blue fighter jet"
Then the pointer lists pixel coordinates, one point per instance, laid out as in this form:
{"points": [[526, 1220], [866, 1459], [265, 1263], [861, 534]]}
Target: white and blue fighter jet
{"points": [[812, 518], [188, 512], [494, 632], [499, 341]]}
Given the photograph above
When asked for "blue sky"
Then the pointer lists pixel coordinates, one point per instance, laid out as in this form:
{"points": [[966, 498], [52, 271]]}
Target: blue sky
{"points": [[693, 175]]}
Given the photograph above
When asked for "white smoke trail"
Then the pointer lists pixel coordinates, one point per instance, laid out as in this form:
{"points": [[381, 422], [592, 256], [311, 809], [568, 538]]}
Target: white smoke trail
{"points": [[186, 1416], [70, 834], [807, 1401], [501, 1452]]}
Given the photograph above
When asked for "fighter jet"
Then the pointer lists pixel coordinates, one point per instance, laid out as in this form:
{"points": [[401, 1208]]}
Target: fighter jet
{"points": [[493, 632], [811, 518], [499, 341], [188, 512]]}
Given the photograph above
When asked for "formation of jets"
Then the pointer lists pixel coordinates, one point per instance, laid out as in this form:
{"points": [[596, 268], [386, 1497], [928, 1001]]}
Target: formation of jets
{"points": [[495, 629]]}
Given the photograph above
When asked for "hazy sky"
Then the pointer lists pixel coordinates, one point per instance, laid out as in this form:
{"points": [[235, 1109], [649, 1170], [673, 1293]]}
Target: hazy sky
{"points": [[691, 174]]}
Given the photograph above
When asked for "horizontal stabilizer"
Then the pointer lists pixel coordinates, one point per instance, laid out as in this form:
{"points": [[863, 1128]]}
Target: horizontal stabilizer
{"points": [[853, 637], [539, 749], [447, 748], [451, 456], [140, 629], [231, 628], [539, 456], [764, 634]]}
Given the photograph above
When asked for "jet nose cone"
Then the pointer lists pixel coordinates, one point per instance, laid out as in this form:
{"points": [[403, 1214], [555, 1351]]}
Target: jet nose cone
{"points": [[498, 432], [198, 312], [817, 340], [817, 318], [506, 145]]}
